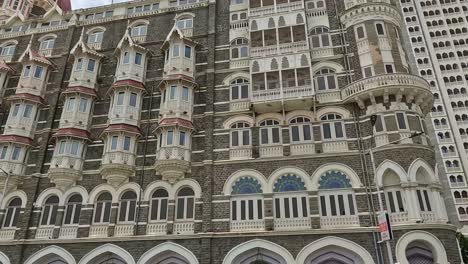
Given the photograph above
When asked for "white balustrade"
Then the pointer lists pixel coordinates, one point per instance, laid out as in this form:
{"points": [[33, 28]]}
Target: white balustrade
{"points": [[176, 108], [242, 63], [124, 114], [156, 228], [239, 105], [68, 232], [180, 65], [339, 221], [457, 184], [139, 39], [66, 162], [95, 45], [75, 119], [130, 71], [6, 58], [263, 51], [322, 52], [118, 157], [384, 44], [240, 153], [293, 47], [397, 80], [7, 234], [122, 230], [428, 217], [334, 146], [445, 140], [261, 11], [292, 224], [287, 7], [21, 126], [44, 232], [242, 25], [453, 169], [295, 92], [247, 225], [267, 151], [173, 153], [399, 218], [405, 136], [362, 46], [98, 231], [188, 32], [83, 78], [183, 228], [46, 52], [13, 167], [461, 200], [328, 96], [381, 139], [302, 148]]}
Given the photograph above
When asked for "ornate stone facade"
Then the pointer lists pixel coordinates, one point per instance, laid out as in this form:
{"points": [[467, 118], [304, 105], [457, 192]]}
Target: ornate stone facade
{"points": [[216, 132]]}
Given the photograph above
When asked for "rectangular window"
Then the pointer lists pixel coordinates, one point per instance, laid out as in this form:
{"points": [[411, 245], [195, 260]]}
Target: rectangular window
{"points": [[114, 141], [172, 92], [185, 93], [259, 209], [388, 68], [295, 133], [246, 137], [62, 146], [74, 148], [368, 72], [16, 109], [251, 210], [188, 52], [27, 111], [391, 202], [170, 138], [275, 134], [420, 200], [333, 205], [307, 132], [235, 138], [16, 153], [83, 104], [133, 99], [138, 58], [323, 206], [341, 207], [360, 33], [175, 51], [326, 131], [339, 130], [264, 135], [277, 208], [304, 207], [400, 201], [243, 209], [71, 104], [27, 71], [38, 72], [295, 209], [287, 211], [428, 202], [234, 210], [379, 124], [79, 64], [91, 65], [3, 152], [120, 98], [182, 138], [380, 29], [126, 58], [401, 121], [352, 211], [126, 145], [244, 91]]}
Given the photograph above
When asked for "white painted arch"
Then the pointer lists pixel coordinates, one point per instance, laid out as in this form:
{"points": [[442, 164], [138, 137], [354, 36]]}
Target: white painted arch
{"points": [[188, 183], [130, 186], [389, 165], [299, 113], [353, 177], [107, 248], [165, 247], [236, 75], [335, 109], [95, 29], [436, 246], [276, 116], [11, 195], [239, 118], [258, 243], [47, 193], [76, 190], [51, 250], [4, 258], [328, 64], [156, 185], [93, 195], [416, 165], [332, 241], [233, 178]]}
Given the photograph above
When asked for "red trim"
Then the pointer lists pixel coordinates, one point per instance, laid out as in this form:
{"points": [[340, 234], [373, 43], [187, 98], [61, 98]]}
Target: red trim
{"points": [[132, 83], [27, 97], [73, 132], [176, 121], [123, 127], [81, 89], [65, 5], [16, 139]]}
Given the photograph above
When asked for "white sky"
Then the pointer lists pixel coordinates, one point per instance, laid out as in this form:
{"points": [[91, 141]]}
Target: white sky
{"points": [[77, 4]]}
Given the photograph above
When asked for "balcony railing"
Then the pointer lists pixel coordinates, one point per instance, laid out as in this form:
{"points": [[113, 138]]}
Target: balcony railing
{"points": [[286, 93], [83, 78], [98, 231], [20, 126], [292, 224], [381, 140], [188, 32], [156, 228], [334, 146], [179, 65], [247, 225], [130, 71], [66, 162], [118, 157], [242, 63], [7, 234], [173, 153], [31, 85], [95, 45], [176, 108], [45, 232], [239, 105], [13, 167], [339, 221], [428, 216], [75, 119], [266, 10], [291, 47], [399, 218], [240, 153], [124, 114], [267, 151], [123, 230], [46, 52], [68, 232], [461, 200], [302, 148], [183, 228]]}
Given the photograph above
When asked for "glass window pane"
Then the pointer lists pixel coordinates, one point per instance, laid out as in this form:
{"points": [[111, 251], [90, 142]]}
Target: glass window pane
{"points": [[182, 138], [264, 135], [323, 206], [341, 206], [76, 216], [401, 121], [251, 210], [378, 124], [169, 138], [295, 133], [307, 132], [97, 213], [260, 209], [428, 201], [180, 208], [277, 208], [188, 52], [287, 212], [295, 209], [246, 137], [304, 207], [235, 92], [185, 93], [400, 201], [234, 210], [243, 210], [276, 134], [326, 131], [83, 104], [391, 203], [91, 65], [234, 138], [133, 99], [107, 211], [127, 143], [154, 209], [190, 205], [163, 213], [333, 205], [339, 129], [420, 200], [352, 211], [114, 142]]}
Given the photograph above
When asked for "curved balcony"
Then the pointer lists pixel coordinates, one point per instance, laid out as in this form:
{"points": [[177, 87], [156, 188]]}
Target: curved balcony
{"points": [[117, 167], [65, 170], [172, 162], [84, 78], [31, 85], [369, 11], [21, 126], [179, 66], [414, 88], [124, 114], [75, 119], [130, 71]]}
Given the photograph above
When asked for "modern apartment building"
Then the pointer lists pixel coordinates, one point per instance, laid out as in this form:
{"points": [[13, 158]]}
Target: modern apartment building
{"points": [[188, 131]]}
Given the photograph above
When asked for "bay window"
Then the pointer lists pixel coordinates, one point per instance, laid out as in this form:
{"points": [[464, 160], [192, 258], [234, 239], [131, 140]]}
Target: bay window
{"points": [[185, 204], [121, 143], [159, 201], [270, 132], [102, 210], [332, 127], [301, 130], [240, 134]]}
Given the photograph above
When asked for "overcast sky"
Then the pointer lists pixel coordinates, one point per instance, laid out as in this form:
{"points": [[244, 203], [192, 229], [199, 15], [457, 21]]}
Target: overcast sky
{"points": [[77, 4]]}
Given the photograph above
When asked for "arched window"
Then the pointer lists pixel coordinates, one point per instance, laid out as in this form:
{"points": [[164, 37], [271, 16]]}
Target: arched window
{"points": [[239, 48], [47, 43], [185, 22], [73, 210], [270, 132], [159, 201], [336, 199], [185, 204], [301, 130], [290, 201], [12, 213], [239, 89], [325, 79], [394, 197], [8, 50], [103, 208], [240, 134], [95, 37], [49, 211], [139, 30], [246, 204], [332, 127], [320, 37], [127, 207]]}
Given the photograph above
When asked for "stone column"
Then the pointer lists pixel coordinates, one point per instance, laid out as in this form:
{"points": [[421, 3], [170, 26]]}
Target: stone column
{"points": [[170, 216], [412, 206]]}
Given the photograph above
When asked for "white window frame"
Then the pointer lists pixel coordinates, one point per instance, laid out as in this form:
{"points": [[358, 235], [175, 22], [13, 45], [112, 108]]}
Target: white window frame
{"points": [[8, 50], [74, 210], [14, 211], [125, 204], [382, 121], [336, 193], [332, 124], [105, 204], [426, 200], [52, 208], [96, 37], [405, 119], [269, 129], [383, 29], [243, 199], [371, 69], [363, 30], [236, 84], [186, 200], [185, 23], [47, 44], [240, 135], [289, 197], [139, 30], [159, 208], [392, 192]]}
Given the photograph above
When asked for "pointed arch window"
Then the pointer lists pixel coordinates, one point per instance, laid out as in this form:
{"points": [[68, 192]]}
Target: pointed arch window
{"points": [[49, 211], [12, 213], [159, 201], [325, 79], [320, 37]]}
